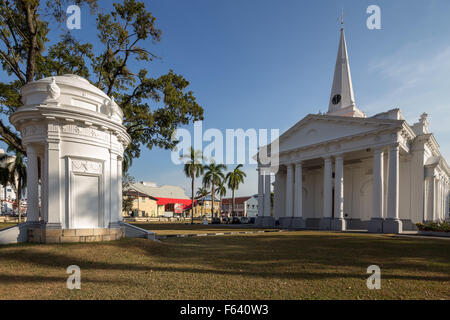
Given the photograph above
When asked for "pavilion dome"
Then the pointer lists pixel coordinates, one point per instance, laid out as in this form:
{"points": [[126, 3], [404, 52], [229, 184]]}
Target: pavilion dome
{"points": [[70, 91]]}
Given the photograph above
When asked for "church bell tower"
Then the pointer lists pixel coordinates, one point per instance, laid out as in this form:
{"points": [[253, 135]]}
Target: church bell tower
{"points": [[342, 98]]}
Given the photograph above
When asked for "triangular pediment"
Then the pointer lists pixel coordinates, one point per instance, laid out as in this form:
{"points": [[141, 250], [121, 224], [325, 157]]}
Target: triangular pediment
{"points": [[316, 129]]}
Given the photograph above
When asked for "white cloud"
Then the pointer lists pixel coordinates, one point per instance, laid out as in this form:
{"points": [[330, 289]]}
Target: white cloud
{"points": [[417, 80]]}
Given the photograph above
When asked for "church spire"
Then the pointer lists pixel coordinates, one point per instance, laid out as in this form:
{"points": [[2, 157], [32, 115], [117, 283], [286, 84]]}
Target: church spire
{"points": [[342, 99]]}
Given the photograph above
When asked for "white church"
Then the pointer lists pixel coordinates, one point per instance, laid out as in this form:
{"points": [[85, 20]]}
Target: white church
{"points": [[345, 171]]}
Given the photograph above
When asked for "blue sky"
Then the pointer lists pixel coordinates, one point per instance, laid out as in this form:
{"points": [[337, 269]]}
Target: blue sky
{"points": [[268, 63]]}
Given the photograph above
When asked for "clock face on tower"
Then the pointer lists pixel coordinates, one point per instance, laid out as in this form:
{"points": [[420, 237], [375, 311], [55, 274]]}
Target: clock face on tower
{"points": [[336, 99]]}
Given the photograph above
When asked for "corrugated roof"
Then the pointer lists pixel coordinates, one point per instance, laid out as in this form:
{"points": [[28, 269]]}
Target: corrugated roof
{"points": [[208, 198], [236, 200], [159, 192]]}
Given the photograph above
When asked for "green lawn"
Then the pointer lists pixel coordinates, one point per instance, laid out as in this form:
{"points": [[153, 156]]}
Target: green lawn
{"points": [[187, 228], [4, 225], [288, 265]]}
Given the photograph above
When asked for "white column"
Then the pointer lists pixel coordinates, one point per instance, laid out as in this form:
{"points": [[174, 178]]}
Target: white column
{"points": [[267, 195], [327, 188], [260, 193], [393, 224], [53, 185], [441, 209], [114, 196], [393, 183], [339, 188], [446, 201], [44, 188], [378, 185], [431, 198], [443, 199], [32, 185], [119, 186], [298, 195], [289, 190]]}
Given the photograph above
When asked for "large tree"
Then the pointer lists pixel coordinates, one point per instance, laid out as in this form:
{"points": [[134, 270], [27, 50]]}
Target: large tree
{"points": [[153, 106]]}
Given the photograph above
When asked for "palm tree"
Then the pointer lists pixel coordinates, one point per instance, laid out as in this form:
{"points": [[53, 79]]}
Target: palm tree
{"points": [[234, 179], [193, 168], [222, 191], [212, 177], [202, 192]]}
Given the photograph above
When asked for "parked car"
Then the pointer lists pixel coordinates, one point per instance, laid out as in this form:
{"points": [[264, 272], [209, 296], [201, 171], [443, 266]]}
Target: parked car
{"points": [[244, 220], [235, 220], [252, 220], [215, 221], [225, 220]]}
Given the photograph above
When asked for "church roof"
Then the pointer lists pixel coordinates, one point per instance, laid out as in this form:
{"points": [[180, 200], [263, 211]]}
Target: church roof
{"points": [[319, 117]]}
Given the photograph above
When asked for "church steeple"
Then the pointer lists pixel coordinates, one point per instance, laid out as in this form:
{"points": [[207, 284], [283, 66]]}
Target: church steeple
{"points": [[342, 99]]}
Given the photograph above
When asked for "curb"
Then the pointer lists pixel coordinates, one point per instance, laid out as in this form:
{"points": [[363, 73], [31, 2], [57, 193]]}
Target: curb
{"points": [[209, 234]]}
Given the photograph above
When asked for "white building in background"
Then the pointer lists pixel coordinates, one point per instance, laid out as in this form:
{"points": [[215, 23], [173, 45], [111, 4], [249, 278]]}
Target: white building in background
{"points": [[342, 170], [243, 206], [252, 206]]}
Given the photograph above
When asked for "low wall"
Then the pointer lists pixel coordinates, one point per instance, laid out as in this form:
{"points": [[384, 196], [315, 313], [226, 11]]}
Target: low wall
{"points": [[132, 231], [14, 234], [434, 234]]}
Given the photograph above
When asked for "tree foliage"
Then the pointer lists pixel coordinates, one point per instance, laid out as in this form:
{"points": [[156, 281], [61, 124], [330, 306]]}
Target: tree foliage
{"points": [[234, 179], [192, 169], [213, 177], [153, 106]]}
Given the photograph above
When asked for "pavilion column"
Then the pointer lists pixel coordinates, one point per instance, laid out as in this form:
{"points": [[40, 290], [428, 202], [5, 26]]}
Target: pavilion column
{"points": [[298, 221], [325, 223], [120, 191], [114, 194], [376, 222], [53, 185], [338, 223], [32, 185], [393, 224]]}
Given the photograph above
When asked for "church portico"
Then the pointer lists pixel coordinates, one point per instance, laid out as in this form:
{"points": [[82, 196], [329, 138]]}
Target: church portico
{"points": [[354, 190], [345, 171]]}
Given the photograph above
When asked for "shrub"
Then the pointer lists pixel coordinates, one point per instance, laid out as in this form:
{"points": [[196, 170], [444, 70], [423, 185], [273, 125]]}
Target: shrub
{"points": [[443, 226]]}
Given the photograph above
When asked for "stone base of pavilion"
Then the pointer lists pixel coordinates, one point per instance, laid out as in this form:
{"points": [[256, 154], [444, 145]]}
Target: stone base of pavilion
{"points": [[45, 235], [39, 233]]}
